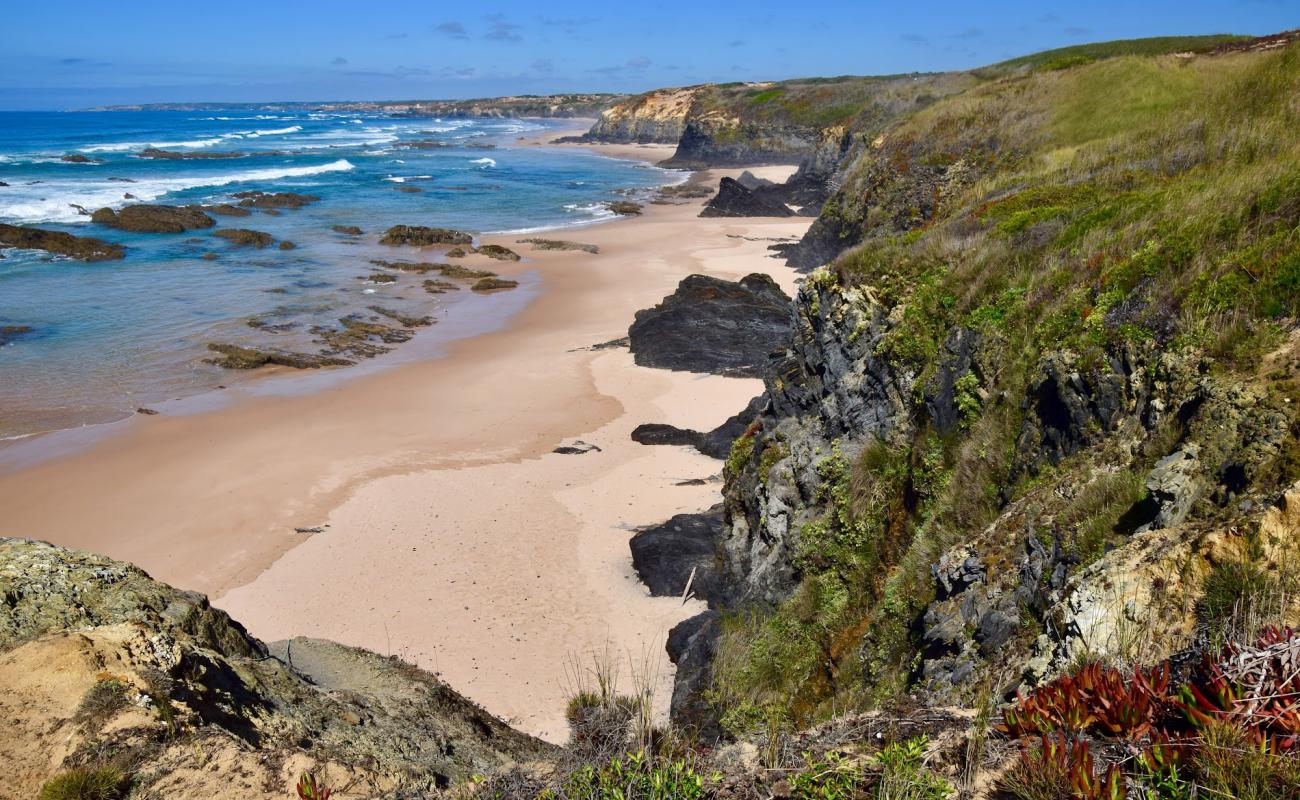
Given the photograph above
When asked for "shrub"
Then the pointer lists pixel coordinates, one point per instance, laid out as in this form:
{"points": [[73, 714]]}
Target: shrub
{"points": [[1229, 763], [902, 776], [831, 777], [1097, 699], [101, 703], [632, 777], [102, 783], [308, 789], [1230, 590]]}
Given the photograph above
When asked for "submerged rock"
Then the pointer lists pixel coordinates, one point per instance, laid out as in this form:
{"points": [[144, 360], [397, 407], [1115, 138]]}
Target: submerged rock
{"points": [[496, 251], [712, 325], [9, 333], [405, 320], [493, 284], [199, 155], [440, 287], [457, 252], [83, 248], [233, 356], [736, 200], [226, 210], [559, 244], [243, 237], [419, 236], [146, 218], [423, 267], [347, 230], [288, 245], [77, 158], [407, 189]]}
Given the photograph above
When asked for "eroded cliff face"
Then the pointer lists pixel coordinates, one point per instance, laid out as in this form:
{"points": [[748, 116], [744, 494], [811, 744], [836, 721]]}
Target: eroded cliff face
{"points": [[102, 666], [653, 118]]}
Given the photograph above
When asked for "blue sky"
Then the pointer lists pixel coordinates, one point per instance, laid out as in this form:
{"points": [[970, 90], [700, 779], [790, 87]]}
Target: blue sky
{"points": [[57, 54]]}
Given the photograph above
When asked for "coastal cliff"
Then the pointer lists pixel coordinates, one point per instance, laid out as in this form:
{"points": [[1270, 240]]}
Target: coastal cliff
{"points": [[1025, 422]]}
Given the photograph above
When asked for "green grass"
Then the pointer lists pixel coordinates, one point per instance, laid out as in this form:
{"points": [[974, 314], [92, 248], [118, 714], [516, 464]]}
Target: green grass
{"points": [[104, 783], [1064, 57]]}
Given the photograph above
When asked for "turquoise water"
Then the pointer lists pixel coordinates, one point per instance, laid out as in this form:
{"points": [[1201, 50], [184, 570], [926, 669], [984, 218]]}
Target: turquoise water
{"points": [[111, 336]]}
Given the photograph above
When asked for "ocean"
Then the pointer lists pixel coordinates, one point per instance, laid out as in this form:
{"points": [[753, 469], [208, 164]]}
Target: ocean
{"points": [[109, 337]]}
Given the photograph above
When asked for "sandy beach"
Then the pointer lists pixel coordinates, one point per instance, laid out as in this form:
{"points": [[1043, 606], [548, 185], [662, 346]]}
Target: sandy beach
{"points": [[451, 533]]}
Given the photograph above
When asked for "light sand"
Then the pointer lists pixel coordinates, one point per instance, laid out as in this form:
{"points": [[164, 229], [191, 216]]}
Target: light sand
{"points": [[456, 537]]}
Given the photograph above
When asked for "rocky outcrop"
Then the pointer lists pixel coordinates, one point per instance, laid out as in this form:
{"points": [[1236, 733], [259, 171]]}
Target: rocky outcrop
{"points": [[420, 236], [274, 200], [173, 693], [153, 218], [713, 325], [59, 243], [232, 356], [11, 333], [734, 199], [77, 158], [681, 554], [715, 443]]}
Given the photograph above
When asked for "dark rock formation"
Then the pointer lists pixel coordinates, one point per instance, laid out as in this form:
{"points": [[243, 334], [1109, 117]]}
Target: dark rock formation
{"points": [[692, 646], [712, 325], [683, 549], [274, 200], [233, 356], [347, 230], [153, 219], [736, 200], [716, 443], [420, 236], [558, 244], [493, 284], [83, 248], [198, 155], [242, 237], [660, 433], [624, 208], [78, 158]]}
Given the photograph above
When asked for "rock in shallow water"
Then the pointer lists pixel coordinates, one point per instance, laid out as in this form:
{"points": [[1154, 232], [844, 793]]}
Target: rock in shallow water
{"points": [[59, 243], [712, 325]]}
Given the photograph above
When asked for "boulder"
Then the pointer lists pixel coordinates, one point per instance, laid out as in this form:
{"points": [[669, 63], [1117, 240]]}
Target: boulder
{"points": [[752, 182], [146, 218], [669, 555], [226, 210], [420, 236], [496, 251], [735, 200], [713, 325], [83, 248], [716, 443]]}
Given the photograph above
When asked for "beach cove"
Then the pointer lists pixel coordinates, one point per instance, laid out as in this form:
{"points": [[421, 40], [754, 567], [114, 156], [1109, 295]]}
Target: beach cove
{"points": [[447, 531]]}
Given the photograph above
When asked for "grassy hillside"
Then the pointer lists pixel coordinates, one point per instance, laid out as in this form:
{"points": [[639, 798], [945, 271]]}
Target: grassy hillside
{"points": [[1124, 209]]}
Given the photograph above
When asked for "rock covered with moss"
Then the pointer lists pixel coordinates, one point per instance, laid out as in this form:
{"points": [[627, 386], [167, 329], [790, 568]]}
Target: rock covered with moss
{"points": [[167, 691]]}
